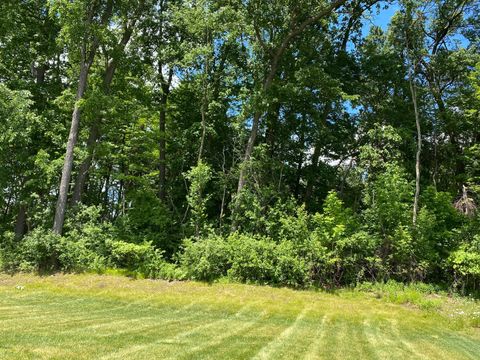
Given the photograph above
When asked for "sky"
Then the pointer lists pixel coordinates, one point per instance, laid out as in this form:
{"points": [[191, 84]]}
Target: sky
{"points": [[382, 18]]}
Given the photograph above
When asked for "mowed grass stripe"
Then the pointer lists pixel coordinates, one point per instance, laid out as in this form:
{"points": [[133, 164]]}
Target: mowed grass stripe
{"points": [[454, 345], [84, 340], [413, 351], [383, 339], [248, 342], [178, 338], [316, 345], [92, 317], [152, 343], [237, 326], [280, 341]]}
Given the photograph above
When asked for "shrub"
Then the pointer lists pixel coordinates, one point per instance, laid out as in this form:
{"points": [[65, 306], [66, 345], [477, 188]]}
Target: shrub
{"points": [[465, 263], [76, 256], [198, 176], [294, 227], [206, 259], [85, 226], [389, 201], [38, 251], [147, 220], [8, 253], [128, 255], [290, 268], [252, 258], [158, 268], [341, 253], [43, 251]]}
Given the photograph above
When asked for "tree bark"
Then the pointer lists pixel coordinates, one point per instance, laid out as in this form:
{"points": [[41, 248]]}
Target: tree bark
{"points": [[68, 162], [95, 130], [162, 147], [162, 143], [205, 100], [298, 176], [309, 188], [419, 150], [85, 165], [316, 154], [21, 222], [85, 64]]}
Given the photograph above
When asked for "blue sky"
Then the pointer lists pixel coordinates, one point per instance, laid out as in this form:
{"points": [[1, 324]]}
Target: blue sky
{"points": [[382, 18]]}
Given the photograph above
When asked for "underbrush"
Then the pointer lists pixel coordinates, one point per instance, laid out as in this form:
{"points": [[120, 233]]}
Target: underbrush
{"points": [[424, 296], [237, 258], [462, 311], [44, 252]]}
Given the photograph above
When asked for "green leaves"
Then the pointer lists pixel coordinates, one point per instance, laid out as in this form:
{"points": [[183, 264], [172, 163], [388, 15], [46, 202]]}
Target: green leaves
{"points": [[198, 176]]}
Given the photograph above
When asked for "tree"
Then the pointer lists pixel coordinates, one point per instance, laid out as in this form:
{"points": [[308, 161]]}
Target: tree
{"points": [[82, 24], [273, 49], [126, 20]]}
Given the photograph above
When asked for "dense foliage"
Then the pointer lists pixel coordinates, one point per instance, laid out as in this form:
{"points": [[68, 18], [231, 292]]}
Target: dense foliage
{"points": [[280, 142]]}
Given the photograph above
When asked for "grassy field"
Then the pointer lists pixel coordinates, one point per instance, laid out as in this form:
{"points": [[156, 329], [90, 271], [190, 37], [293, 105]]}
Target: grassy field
{"points": [[111, 317]]}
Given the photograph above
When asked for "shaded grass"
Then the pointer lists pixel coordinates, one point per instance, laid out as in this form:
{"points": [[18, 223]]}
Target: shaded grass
{"points": [[108, 317]]}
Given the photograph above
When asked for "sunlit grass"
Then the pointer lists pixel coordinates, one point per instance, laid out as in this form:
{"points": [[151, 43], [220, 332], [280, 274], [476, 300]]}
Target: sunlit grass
{"points": [[112, 317]]}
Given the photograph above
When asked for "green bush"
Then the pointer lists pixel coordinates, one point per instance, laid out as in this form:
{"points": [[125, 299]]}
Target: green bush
{"points": [[129, 255], [465, 265], [158, 268], [290, 268], [85, 228], [76, 256], [9, 257], [252, 258], [43, 251], [147, 220], [39, 251], [206, 259], [85, 247]]}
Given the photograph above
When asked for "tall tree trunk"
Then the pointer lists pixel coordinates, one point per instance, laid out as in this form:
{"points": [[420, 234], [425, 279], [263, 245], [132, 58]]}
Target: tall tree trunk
{"points": [[21, 222], [205, 100], [162, 165], [162, 147], [309, 188], [224, 194], [248, 151], [7, 206], [419, 149], [256, 123], [87, 58], [435, 157], [301, 155], [95, 129], [106, 195], [68, 162], [204, 133], [316, 154], [272, 122], [85, 165]]}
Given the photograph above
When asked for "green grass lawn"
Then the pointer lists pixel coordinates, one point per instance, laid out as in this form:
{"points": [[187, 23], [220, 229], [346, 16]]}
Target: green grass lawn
{"points": [[112, 317]]}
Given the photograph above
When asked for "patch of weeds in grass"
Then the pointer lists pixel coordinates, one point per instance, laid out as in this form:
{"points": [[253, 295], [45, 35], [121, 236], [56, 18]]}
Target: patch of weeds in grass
{"points": [[120, 272], [465, 312], [461, 312], [424, 296]]}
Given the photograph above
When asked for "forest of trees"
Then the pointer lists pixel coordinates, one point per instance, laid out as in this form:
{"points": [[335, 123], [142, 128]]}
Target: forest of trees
{"points": [[283, 142]]}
